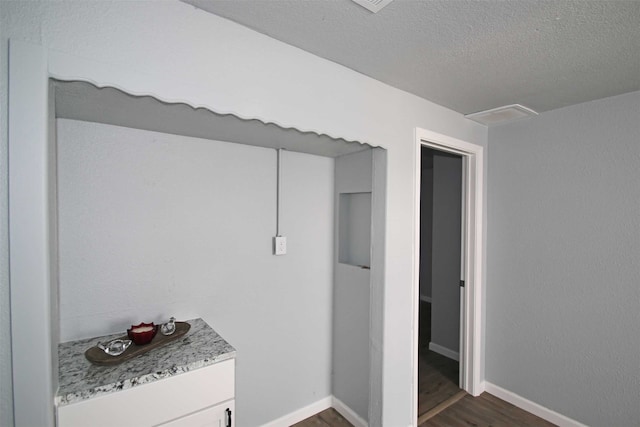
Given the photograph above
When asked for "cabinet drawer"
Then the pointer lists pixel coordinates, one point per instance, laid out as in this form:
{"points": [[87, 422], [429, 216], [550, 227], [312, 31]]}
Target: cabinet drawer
{"points": [[157, 402], [221, 415]]}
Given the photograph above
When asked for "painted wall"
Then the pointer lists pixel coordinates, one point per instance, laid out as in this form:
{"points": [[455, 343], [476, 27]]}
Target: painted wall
{"points": [[239, 70], [440, 210], [563, 301], [426, 222], [445, 272], [6, 379], [153, 225]]}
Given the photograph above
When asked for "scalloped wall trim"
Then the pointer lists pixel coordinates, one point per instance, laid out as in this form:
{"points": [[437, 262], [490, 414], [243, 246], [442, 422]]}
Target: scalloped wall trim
{"points": [[81, 100], [68, 68], [208, 108]]}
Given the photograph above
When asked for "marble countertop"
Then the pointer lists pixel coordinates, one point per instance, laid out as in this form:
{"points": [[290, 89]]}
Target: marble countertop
{"points": [[79, 380]]}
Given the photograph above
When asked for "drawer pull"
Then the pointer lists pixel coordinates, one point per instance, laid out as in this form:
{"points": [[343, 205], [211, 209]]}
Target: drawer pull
{"points": [[228, 423]]}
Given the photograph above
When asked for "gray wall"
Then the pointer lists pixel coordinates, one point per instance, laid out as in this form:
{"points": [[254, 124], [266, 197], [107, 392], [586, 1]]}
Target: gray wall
{"points": [[153, 225], [563, 299], [426, 221], [445, 274], [352, 298], [6, 380]]}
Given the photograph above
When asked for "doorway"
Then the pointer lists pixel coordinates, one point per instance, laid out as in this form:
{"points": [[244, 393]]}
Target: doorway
{"points": [[471, 349], [441, 272]]}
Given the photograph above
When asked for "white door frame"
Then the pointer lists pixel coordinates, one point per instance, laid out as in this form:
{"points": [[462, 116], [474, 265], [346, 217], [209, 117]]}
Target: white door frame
{"points": [[471, 331], [34, 350]]}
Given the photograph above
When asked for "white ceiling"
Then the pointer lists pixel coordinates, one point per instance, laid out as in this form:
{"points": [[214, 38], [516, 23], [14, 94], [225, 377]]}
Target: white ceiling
{"points": [[467, 55]]}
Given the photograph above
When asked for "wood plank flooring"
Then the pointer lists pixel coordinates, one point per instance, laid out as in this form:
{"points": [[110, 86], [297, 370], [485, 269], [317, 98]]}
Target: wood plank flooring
{"points": [[484, 411], [437, 380], [327, 418], [441, 407], [438, 375]]}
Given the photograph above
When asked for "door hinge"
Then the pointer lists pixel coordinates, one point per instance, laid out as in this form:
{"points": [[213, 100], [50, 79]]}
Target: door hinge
{"points": [[462, 283], [228, 412]]}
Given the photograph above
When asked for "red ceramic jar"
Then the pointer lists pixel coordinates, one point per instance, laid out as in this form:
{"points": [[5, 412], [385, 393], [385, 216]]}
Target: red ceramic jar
{"points": [[142, 333]]}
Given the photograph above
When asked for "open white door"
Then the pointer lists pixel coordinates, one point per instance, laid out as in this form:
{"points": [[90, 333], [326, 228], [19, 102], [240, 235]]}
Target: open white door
{"points": [[471, 267]]}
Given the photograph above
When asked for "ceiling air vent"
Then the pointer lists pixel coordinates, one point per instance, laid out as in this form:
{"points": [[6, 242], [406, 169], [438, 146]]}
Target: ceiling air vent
{"points": [[373, 5], [501, 114]]}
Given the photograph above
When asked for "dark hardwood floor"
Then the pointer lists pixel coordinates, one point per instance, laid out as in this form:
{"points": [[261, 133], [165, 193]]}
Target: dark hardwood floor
{"points": [[437, 384], [327, 418], [437, 375], [484, 411]]}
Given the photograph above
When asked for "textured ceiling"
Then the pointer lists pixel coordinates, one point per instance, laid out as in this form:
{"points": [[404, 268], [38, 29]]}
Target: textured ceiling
{"points": [[467, 55]]}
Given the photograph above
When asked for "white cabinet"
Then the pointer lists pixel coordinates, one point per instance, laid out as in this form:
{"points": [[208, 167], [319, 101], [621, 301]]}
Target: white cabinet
{"points": [[197, 398], [221, 415]]}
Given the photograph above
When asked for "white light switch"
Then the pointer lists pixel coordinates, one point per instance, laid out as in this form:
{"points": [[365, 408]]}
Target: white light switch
{"points": [[279, 245]]}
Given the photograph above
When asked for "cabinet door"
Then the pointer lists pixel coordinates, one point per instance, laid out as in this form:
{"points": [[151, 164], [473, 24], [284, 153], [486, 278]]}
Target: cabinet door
{"points": [[221, 415]]}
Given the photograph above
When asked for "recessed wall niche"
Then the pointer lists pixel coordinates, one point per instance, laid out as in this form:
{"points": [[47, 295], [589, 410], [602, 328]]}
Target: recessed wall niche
{"points": [[354, 235]]}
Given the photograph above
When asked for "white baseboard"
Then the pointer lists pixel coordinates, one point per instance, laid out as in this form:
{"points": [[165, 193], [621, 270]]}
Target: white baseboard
{"points": [[425, 298], [529, 406], [446, 352], [301, 414], [348, 413]]}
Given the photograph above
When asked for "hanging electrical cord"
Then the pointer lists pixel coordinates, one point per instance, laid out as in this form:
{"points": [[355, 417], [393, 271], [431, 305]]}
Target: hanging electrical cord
{"points": [[279, 241], [278, 192]]}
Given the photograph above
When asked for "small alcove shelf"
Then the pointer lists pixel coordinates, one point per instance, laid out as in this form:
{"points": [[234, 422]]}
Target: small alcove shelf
{"points": [[354, 229]]}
